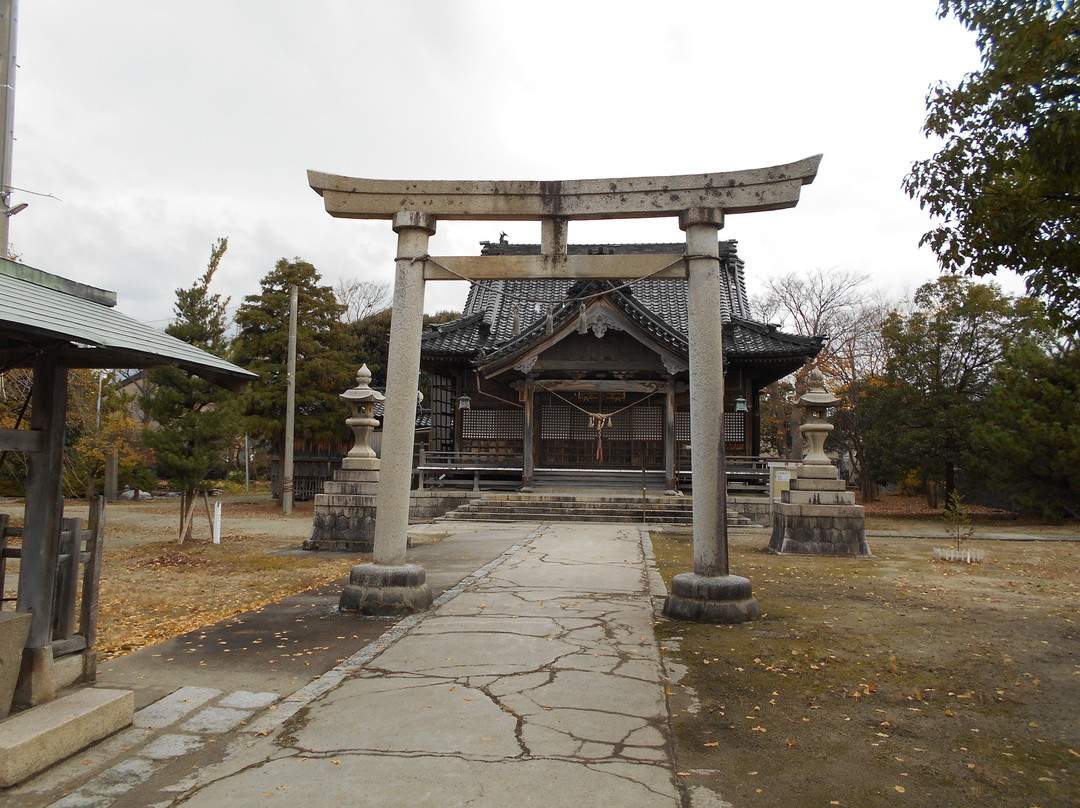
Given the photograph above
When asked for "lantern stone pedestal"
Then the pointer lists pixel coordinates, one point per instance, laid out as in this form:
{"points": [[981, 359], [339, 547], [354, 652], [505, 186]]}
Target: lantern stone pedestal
{"points": [[818, 515], [345, 511]]}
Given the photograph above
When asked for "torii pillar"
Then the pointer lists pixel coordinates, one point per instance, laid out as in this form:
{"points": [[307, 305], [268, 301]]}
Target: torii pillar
{"points": [[700, 201]]}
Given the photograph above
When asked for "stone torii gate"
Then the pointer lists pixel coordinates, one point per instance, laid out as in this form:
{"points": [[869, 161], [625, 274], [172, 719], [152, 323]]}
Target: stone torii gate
{"points": [[700, 201]]}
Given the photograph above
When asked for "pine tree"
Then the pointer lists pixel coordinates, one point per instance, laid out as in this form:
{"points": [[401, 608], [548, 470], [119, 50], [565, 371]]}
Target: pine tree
{"points": [[1027, 442], [325, 360], [197, 420]]}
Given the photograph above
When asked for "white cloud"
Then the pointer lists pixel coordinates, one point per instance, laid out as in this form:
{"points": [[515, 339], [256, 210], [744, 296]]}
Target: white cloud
{"points": [[165, 125]]}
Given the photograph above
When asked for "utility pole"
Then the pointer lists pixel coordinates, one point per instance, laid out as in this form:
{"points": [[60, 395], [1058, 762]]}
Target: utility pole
{"points": [[7, 114], [290, 411]]}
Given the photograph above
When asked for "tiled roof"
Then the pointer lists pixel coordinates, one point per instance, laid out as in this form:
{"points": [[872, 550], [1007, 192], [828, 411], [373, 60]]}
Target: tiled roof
{"points": [[500, 316]]}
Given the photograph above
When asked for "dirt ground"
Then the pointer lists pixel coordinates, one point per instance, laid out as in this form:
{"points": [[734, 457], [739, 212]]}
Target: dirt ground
{"points": [[891, 680]]}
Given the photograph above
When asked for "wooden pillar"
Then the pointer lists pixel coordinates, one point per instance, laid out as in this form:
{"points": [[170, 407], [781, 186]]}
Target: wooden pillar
{"points": [[755, 420], [41, 528], [528, 460], [672, 482], [461, 388]]}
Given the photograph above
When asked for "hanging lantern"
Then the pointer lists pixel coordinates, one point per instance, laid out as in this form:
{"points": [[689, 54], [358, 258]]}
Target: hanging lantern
{"points": [[740, 404], [464, 403]]}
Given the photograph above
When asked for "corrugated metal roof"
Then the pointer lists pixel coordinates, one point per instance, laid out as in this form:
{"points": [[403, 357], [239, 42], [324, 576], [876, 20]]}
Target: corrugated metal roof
{"points": [[36, 309]]}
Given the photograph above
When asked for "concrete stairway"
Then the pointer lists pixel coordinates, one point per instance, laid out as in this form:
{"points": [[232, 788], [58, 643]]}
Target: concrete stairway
{"points": [[615, 481], [518, 507]]}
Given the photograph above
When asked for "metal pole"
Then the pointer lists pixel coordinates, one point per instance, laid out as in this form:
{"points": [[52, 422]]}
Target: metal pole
{"points": [[290, 411], [247, 471], [8, 27]]}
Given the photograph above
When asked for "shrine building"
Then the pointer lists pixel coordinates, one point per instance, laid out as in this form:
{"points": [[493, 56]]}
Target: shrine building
{"points": [[558, 382]]}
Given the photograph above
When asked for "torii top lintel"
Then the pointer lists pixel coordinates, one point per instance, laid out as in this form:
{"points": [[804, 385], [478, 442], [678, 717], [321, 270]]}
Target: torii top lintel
{"points": [[748, 191]]}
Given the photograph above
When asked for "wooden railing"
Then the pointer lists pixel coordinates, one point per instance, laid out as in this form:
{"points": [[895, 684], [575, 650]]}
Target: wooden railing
{"points": [[746, 474], [74, 618], [485, 469], [470, 468]]}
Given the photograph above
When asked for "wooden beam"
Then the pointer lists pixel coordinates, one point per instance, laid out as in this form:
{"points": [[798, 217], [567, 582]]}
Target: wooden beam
{"points": [[20, 440], [533, 267], [748, 191], [600, 385]]}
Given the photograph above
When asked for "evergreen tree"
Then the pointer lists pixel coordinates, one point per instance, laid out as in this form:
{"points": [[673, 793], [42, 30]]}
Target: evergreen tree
{"points": [[325, 360], [372, 335], [940, 364], [197, 420], [1026, 445]]}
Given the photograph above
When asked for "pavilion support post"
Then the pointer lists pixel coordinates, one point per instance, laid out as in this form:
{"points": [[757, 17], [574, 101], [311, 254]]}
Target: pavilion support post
{"points": [[528, 461], [672, 482], [389, 585], [710, 593], [41, 530]]}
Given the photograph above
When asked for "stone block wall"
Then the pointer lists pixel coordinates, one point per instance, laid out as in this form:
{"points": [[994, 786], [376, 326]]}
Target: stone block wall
{"points": [[756, 509], [432, 503], [347, 524], [818, 530]]}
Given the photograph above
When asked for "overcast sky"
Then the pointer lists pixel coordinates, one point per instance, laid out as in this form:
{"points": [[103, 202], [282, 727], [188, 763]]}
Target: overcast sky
{"points": [[160, 126]]}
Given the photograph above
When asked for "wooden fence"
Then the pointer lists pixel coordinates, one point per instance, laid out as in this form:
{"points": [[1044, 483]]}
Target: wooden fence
{"points": [[74, 608]]}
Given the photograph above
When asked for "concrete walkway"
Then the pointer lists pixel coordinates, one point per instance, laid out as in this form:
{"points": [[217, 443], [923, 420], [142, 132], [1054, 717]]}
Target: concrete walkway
{"points": [[534, 681]]}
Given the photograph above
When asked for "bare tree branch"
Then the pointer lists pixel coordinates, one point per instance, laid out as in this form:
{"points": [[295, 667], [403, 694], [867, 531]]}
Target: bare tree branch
{"points": [[361, 298]]}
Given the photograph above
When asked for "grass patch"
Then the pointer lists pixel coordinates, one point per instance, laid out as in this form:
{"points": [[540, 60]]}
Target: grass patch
{"points": [[893, 677], [159, 590]]}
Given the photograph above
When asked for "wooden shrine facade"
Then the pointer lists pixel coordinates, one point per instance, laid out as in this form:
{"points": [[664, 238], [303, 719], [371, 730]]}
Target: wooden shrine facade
{"points": [[545, 375]]}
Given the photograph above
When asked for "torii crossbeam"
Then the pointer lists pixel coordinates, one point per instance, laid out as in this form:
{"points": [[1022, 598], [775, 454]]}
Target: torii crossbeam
{"points": [[700, 201]]}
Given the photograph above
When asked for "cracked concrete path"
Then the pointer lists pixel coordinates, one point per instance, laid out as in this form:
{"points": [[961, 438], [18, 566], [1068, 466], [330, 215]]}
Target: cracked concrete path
{"points": [[535, 681], [539, 684]]}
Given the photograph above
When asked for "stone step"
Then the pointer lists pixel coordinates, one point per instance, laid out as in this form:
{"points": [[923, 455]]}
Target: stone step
{"points": [[581, 506], [538, 517], [592, 511], [591, 508], [36, 738]]}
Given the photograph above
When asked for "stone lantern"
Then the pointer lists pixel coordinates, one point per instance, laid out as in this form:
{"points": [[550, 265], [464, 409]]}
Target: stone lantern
{"points": [[815, 429], [818, 515], [362, 399], [345, 511]]}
